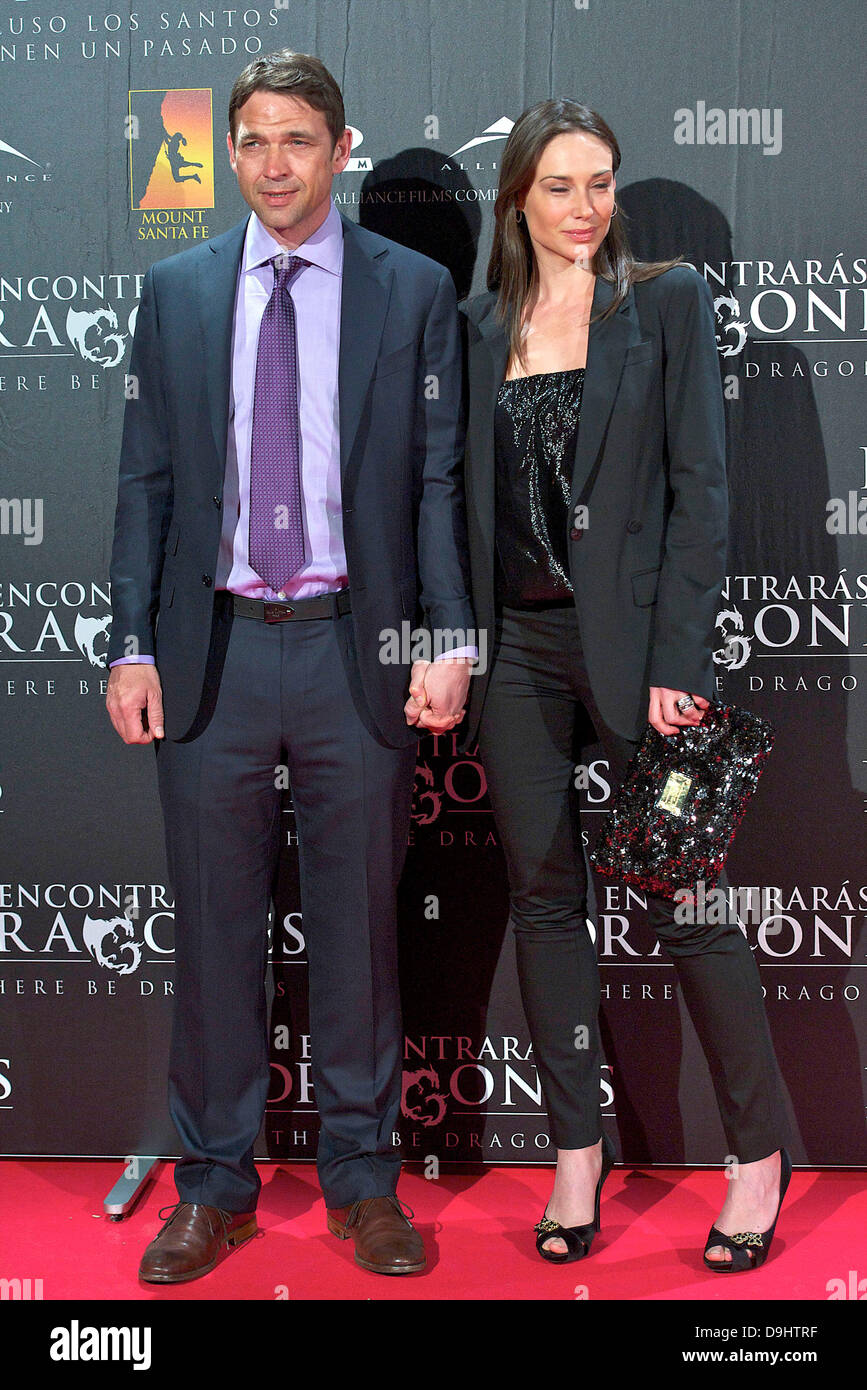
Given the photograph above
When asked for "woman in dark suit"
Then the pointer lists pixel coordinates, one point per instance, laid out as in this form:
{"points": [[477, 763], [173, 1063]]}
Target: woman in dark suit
{"points": [[597, 506]]}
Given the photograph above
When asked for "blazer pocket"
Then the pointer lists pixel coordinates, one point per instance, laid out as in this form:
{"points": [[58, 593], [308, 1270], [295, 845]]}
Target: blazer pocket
{"points": [[396, 361], [644, 586], [640, 352]]}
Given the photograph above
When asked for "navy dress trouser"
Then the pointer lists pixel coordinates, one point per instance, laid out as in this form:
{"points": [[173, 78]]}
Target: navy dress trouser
{"points": [[283, 700]]}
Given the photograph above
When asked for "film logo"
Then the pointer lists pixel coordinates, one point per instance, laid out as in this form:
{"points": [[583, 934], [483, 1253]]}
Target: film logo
{"points": [[171, 162]]}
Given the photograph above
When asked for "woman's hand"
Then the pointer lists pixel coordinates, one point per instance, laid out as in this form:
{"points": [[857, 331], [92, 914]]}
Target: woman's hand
{"points": [[663, 713]]}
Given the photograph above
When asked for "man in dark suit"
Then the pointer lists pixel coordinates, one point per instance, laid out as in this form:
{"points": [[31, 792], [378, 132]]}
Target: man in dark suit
{"points": [[289, 494]]}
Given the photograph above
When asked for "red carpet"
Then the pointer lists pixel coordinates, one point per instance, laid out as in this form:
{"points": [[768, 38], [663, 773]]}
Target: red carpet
{"points": [[477, 1230]]}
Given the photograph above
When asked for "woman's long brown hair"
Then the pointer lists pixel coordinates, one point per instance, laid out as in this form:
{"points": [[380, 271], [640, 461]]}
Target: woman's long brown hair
{"points": [[512, 267]]}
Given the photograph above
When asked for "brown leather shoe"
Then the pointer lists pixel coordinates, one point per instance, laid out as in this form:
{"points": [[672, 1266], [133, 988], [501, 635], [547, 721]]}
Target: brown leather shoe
{"points": [[192, 1241], [385, 1240]]}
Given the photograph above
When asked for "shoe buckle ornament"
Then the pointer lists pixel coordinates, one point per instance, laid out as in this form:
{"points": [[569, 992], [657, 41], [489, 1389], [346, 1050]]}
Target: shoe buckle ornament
{"points": [[748, 1238]]}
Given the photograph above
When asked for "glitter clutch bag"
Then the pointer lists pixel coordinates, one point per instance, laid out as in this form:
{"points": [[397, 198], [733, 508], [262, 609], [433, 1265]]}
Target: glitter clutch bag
{"points": [[681, 800]]}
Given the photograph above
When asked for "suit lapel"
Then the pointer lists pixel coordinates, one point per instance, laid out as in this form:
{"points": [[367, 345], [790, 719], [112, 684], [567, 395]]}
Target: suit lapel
{"points": [[216, 300], [486, 367], [607, 342], [364, 299]]}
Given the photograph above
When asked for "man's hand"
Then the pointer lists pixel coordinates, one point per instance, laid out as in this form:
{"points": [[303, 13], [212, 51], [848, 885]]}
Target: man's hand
{"points": [[663, 713], [437, 692], [134, 688]]}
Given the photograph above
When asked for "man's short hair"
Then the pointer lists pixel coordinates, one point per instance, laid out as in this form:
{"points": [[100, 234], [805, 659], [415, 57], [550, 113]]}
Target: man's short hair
{"points": [[294, 74]]}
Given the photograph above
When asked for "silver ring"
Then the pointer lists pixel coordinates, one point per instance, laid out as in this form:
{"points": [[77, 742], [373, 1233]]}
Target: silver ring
{"points": [[685, 702]]}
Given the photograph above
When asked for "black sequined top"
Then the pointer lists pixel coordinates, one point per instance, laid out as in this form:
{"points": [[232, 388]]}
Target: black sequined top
{"points": [[535, 430]]}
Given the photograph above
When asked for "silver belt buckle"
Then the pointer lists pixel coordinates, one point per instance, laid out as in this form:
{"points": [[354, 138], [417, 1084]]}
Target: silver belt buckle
{"points": [[278, 612]]}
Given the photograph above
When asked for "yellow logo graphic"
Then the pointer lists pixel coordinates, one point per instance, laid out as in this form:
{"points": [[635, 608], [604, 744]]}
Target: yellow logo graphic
{"points": [[171, 148]]}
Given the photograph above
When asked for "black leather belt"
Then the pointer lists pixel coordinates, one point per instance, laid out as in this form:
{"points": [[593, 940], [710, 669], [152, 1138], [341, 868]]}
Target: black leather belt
{"points": [[299, 610]]}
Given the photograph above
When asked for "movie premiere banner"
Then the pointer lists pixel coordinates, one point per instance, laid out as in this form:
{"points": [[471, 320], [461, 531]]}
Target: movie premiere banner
{"points": [[742, 130]]}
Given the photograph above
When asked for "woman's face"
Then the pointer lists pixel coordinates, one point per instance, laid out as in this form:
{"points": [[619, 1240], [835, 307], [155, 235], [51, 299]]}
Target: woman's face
{"points": [[569, 203]]}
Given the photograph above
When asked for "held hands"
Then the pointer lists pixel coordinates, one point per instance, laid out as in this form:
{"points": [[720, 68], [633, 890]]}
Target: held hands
{"points": [[134, 698], [663, 713], [437, 691]]}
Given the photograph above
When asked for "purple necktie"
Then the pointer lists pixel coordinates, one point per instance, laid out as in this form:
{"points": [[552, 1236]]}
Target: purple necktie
{"points": [[276, 525]]}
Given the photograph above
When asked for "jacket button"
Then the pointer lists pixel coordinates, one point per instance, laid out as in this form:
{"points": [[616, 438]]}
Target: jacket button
{"points": [[207, 581], [575, 534], [217, 500], [633, 527]]}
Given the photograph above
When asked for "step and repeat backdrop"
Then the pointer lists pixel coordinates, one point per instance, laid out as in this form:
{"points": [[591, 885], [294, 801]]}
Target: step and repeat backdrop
{"points": [[742, 128]]}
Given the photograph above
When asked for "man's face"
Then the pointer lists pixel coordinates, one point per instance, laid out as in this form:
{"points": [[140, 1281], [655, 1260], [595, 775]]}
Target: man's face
{"points": [[283, 157]]}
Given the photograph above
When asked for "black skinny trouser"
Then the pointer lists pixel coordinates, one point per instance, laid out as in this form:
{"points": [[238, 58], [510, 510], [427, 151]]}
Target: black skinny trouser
{"points": [[527, 741]]}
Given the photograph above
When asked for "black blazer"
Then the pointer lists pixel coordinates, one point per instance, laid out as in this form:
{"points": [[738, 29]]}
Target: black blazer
{"points": [[648, 569], [401, 443]]}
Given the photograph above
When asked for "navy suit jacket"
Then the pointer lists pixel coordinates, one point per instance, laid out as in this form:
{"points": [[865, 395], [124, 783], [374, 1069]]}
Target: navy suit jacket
{"points": [[401, 445], [648, 568]]}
